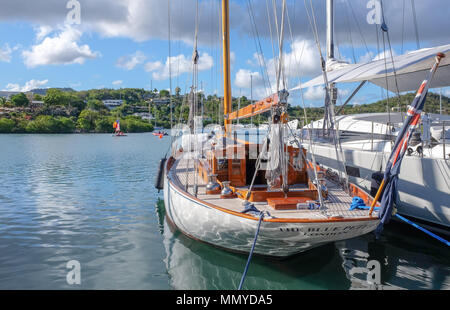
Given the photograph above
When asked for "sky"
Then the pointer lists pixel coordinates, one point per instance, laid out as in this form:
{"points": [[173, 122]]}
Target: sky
{"points": [[86, 44]]}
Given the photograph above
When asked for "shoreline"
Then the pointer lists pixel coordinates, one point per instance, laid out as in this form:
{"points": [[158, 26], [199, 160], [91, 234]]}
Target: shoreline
{"points": [[71, 133]]}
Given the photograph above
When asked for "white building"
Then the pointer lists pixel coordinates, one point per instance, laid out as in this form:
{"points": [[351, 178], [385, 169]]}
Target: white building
{"points": [[144, 116], [111, 104]]}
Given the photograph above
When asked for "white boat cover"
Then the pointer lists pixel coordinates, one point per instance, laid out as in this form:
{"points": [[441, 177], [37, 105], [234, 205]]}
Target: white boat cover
{"points": [[411, 69]]}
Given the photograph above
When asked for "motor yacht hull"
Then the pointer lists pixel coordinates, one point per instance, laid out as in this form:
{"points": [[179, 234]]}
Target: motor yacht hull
{"points": [[423, 187]]}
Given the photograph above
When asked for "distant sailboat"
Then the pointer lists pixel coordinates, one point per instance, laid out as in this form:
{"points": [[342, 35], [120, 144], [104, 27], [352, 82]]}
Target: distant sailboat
{"points": [[118, 132]]}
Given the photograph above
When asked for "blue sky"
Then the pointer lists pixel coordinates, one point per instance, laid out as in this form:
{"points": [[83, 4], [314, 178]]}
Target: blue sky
{"points": [[124, 43]]}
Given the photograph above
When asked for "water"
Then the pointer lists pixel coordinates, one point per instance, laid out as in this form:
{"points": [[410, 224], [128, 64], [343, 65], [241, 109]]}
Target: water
{"points": [[91, 198]]}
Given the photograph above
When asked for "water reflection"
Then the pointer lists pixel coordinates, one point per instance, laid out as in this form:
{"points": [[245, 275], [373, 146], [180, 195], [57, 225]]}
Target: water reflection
{"points": [[91, 198], [80, 197], [407, 260]]}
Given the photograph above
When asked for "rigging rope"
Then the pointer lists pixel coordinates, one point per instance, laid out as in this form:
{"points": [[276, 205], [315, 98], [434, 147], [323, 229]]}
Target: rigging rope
{"points": [[271, 34], [357, 24], [259, 50], [416, 28], [170, 65], [403, 24], [385, 29], [280, 71], [350, 35], [329, 115]]}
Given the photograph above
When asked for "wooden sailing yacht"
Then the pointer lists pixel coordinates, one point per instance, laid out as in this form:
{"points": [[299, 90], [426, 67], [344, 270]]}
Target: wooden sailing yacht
{"points": [[216, 190]]}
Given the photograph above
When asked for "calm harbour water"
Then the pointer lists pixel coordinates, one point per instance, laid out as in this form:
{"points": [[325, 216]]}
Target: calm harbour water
{"points": [[91, 198]]}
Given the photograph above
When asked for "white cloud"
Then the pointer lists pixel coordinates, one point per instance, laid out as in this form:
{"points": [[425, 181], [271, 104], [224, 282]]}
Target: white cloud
{"points": [[179, 64], [131, 61], [118, 82], [385, 54], [61, 49], [30, 85], [42, 32], [232, 58], [246, 79], [147, 19], [317, 93], [153, 66], [5, 53], [302, 60], [370, 56], [367, 57]]}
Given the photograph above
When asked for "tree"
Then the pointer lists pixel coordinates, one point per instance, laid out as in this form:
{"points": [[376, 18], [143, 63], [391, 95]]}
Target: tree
{"points": [[104, 125], [37, 97], [6, 125], [56, 97], [95, 105], [164, 93], [43, 124], [20, 100], [86, 120], [66, 125], [177, 91]]}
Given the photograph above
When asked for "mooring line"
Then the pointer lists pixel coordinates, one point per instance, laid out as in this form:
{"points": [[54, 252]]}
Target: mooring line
{"points": [[356, 206], [423, 229], [261, 216]]}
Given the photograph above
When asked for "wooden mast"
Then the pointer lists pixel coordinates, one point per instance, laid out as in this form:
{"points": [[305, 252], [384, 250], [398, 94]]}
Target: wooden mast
{"points": [[226, 64]]}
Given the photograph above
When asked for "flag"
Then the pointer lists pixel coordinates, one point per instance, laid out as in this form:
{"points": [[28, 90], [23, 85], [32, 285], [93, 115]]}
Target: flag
{"points": [[393, 165]]}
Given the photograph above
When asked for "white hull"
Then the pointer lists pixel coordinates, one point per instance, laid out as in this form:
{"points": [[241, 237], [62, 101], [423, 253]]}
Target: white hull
{"points": [[424, 183], [206, 223]]}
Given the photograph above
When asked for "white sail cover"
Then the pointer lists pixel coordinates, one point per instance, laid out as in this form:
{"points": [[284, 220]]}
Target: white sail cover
{"points": [[411, 69]]}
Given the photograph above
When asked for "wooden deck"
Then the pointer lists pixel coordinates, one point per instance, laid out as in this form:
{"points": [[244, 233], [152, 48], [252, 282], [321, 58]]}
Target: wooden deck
{"points": [[337, 203]]}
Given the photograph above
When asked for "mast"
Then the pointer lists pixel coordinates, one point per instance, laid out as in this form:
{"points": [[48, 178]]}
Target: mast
{"points": [[331, 99], [329, 126], [226, 64], [330, 29]]}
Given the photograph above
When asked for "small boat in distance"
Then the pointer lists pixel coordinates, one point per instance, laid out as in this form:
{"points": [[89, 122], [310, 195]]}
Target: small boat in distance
{"points": [[160, 134], [118, 132]]}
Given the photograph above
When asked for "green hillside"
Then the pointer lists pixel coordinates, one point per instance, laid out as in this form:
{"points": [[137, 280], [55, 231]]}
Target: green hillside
{"points": [[68, 111]]}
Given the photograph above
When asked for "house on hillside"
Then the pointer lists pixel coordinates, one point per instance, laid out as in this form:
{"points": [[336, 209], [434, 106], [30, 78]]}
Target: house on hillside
{"points": [[160, 101], [112, 103]]}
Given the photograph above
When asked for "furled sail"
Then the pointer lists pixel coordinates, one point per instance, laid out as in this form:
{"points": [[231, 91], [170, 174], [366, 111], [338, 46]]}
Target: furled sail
{"points": [[409, 70]]}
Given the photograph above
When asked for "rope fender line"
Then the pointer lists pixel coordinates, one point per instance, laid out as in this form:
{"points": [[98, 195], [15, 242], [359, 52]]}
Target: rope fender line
{"points": [[261, 217]]}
